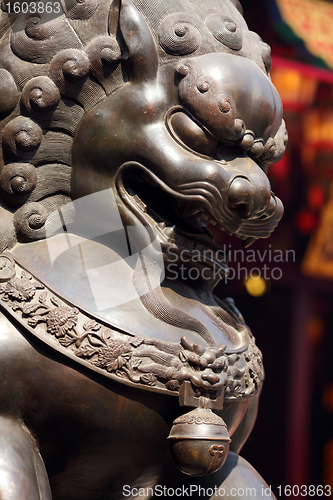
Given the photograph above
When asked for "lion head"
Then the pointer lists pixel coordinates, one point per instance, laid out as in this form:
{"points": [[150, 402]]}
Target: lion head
{"points": [[170, 107]]}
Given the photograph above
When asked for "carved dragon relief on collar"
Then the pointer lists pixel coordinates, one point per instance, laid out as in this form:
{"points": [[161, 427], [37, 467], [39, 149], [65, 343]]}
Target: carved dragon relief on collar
{"points": [[144, 362], [172, 111]]}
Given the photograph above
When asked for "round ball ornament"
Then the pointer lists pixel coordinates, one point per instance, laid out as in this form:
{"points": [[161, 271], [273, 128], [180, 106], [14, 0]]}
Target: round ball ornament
{"points": [[199, 442]]}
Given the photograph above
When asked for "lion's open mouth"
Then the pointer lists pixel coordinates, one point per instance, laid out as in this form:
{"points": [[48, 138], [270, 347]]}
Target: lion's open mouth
{"points": [[180, 224], [179, 218]]}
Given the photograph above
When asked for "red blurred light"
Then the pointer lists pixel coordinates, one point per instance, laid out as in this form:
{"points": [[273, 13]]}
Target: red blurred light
{"points": [[316, 197], [306, 221], [280, 169]]}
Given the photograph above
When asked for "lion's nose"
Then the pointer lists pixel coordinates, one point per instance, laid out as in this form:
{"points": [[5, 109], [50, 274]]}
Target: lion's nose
{"points": [[210, 376], [246, 199]]}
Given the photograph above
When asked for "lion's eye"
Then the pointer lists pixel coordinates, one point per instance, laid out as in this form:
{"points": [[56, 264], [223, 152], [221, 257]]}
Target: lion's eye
{"points": [[192, 135]]}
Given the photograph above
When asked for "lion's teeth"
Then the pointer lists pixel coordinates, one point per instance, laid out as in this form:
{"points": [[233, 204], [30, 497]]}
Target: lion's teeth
{"points": [[140, 203], [161, 225], [170, 232]]}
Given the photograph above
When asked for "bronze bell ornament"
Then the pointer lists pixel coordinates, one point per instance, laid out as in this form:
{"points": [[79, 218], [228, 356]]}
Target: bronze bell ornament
{"points": [[199, 441]]}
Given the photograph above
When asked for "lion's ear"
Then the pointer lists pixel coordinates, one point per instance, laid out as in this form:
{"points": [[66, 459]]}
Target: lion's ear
{"points": [[141, 61]]}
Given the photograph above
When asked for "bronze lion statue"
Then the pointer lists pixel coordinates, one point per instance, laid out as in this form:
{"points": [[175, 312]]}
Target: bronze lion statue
{"points": [[128, 127]]}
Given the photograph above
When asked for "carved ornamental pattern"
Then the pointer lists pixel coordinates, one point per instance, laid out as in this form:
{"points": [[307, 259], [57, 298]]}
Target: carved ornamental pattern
{"points": [[208, 418], [162, 366]]}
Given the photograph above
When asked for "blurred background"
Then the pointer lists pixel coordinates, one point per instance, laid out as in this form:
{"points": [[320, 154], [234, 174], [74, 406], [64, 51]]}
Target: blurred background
{"points": [[287, 298]]}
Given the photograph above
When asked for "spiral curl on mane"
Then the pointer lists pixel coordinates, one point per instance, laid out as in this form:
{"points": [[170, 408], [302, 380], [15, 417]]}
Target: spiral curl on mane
{"points": [[29, 221], [179, 35], [17, 180], [79, 9], [70, 70], [41, 94], [21, 137], [37, 38], [69, 67], [226, 31], [103, 52]]}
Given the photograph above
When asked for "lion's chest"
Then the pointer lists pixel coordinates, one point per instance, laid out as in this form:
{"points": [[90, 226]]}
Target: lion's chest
{"points": [[91, 433]]}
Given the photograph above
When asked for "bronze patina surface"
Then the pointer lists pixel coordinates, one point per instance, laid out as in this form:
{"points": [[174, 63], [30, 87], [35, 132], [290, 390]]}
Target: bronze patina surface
{"points": [[127, 128]]}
